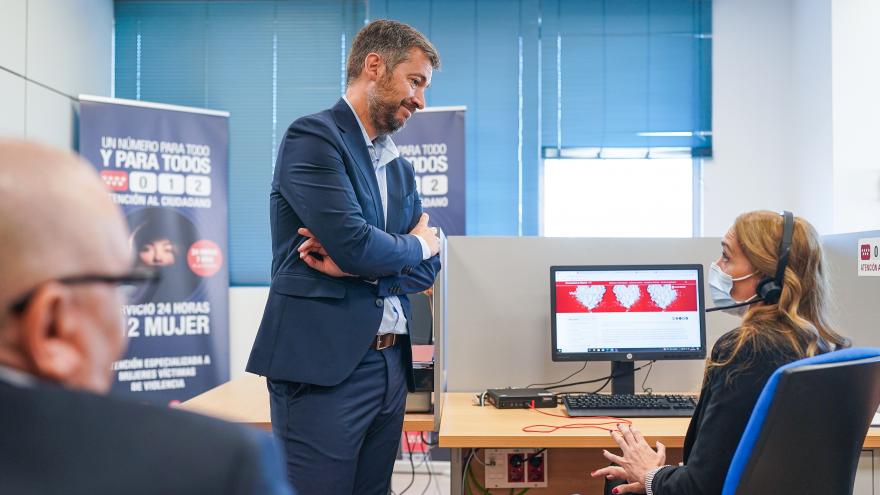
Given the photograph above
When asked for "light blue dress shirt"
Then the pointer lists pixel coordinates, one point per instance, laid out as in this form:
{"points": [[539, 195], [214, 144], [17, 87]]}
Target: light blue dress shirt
{"points": [[382, 152]]}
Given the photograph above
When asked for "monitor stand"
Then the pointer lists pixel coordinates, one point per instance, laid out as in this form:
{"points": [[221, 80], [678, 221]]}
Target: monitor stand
{"points": [[623, 379]]}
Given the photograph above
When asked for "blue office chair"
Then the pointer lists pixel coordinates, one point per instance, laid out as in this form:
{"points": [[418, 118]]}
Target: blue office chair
{"points": [[808, 427]]}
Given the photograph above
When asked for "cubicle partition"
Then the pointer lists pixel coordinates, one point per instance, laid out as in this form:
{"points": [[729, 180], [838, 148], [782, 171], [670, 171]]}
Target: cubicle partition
{"points": [[856, 300], [440, 327], [498, 307]]}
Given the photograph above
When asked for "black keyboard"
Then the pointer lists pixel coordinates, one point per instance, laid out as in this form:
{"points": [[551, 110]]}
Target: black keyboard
{"points": [[623, 406]]}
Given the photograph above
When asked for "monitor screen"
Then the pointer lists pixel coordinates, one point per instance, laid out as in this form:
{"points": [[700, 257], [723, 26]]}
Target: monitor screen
{"points": [[624, 313]]}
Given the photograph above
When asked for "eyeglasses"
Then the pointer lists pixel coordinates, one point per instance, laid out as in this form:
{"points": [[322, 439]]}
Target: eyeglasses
{"points": [[127, 283]]}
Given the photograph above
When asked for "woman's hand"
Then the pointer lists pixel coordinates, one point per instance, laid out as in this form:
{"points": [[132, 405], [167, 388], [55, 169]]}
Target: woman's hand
{"points": [[617, 473], [638, 457]]}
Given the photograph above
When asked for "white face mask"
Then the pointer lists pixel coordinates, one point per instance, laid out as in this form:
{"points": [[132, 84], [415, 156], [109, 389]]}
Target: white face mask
{"points": [[721, 284]]}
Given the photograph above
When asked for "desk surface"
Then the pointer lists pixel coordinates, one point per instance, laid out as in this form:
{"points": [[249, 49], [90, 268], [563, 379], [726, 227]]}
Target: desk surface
{"points": [[464, 425], [245, 400]]}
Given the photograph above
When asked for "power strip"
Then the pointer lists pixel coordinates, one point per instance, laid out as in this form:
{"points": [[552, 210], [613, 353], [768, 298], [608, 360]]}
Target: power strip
{"points": [[516, 468]]}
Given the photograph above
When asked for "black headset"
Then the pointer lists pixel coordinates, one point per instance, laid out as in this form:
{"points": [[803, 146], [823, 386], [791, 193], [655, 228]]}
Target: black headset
{"points": [[770, 288]]}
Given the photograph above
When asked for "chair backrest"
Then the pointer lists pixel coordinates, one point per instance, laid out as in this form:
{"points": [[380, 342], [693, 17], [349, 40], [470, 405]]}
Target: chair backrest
{"points": [[808, 426]]}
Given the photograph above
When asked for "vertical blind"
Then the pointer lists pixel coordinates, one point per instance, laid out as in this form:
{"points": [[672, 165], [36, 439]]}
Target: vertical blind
{"points": [[537, 76], [627, 73]]}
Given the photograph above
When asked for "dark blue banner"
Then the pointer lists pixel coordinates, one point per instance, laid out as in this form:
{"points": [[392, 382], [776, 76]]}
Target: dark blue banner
{"points": [[166, 167], [433, 141]]}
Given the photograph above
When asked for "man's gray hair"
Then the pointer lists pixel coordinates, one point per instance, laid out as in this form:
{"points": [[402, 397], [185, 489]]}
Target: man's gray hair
{"points": [[392, 40]]}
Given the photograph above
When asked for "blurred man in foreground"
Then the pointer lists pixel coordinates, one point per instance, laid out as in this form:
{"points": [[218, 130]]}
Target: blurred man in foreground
{"points": [[64, 257]]}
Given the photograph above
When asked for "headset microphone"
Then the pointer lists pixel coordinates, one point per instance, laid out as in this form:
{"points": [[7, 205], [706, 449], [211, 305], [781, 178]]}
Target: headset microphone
{"points": [[769, 289], [737, 305]]}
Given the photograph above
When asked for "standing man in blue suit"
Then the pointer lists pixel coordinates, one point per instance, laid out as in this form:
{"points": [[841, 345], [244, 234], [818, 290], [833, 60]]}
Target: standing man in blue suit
{"points": [[349, 241]]}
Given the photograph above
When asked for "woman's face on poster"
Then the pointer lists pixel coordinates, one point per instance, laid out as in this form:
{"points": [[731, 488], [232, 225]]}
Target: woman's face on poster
{"points": [[159, 252]]}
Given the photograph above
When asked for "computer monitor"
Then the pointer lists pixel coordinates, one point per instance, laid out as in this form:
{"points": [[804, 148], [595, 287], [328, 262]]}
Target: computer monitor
{"points": [[625, 313]]}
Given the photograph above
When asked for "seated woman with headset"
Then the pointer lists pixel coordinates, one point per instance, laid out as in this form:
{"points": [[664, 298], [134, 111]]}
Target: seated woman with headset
{"points": [[771, 273]]}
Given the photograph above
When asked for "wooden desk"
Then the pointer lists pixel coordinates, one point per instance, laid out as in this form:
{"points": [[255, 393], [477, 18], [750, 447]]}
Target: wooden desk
{"points": [[245, 400], [464, 425], [575, 452]]}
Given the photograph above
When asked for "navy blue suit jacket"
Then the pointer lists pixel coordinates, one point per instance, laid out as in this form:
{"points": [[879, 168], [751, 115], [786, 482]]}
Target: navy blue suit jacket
{"points": [[316, 328], [56, 440]]}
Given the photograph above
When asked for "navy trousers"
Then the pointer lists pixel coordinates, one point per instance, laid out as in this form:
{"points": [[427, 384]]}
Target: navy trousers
{"points": [[343, 439]]}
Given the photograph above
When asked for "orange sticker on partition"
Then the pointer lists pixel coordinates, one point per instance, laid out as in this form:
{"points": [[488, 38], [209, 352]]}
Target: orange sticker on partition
{"points": [[204, 258]]}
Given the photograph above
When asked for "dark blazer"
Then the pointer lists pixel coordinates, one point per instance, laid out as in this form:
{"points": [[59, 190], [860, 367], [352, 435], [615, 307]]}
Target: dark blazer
{"points": [[316, 328], [726, 401], [54, 441]]}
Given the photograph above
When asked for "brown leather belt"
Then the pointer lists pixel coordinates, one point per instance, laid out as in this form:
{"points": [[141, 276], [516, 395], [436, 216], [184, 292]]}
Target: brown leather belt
{"points": [[384, 341]]}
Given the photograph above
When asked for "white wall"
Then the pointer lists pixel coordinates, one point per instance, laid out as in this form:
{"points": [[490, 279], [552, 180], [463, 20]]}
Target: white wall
{"points": [[856, 114], [245, 311], [812, 155], [50, 52], [795, 99], [751, 112]]}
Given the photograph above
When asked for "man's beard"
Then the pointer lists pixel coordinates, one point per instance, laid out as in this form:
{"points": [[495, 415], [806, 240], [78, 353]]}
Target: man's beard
{"points": [[383, 109]]}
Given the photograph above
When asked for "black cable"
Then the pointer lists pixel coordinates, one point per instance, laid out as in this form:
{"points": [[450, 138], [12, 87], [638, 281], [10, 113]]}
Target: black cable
{"points": [[560, 381], [464, 472], [597, 380], [648, 390], [605, 384], [426, 442], [737, 305], [412, 465], [428, 468]]}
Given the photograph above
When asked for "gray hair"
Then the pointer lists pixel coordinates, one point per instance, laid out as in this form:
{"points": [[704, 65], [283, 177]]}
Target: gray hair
{"points": [[392, 40]]}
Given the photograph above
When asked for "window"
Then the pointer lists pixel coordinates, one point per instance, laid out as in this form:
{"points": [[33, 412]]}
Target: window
{"points": [[619, 197]]}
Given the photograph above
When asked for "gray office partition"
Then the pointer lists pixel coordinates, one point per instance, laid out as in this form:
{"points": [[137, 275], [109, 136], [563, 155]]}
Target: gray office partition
{"points": [[497, 306], [856, 300], [440, 328]]}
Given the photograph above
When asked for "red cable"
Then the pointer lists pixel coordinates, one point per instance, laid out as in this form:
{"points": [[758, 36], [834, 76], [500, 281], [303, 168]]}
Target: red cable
{"points": [[608, 420]]}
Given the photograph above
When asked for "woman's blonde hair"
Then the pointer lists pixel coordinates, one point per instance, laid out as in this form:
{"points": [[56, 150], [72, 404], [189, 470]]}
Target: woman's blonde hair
{"points": [[799, 323]]}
